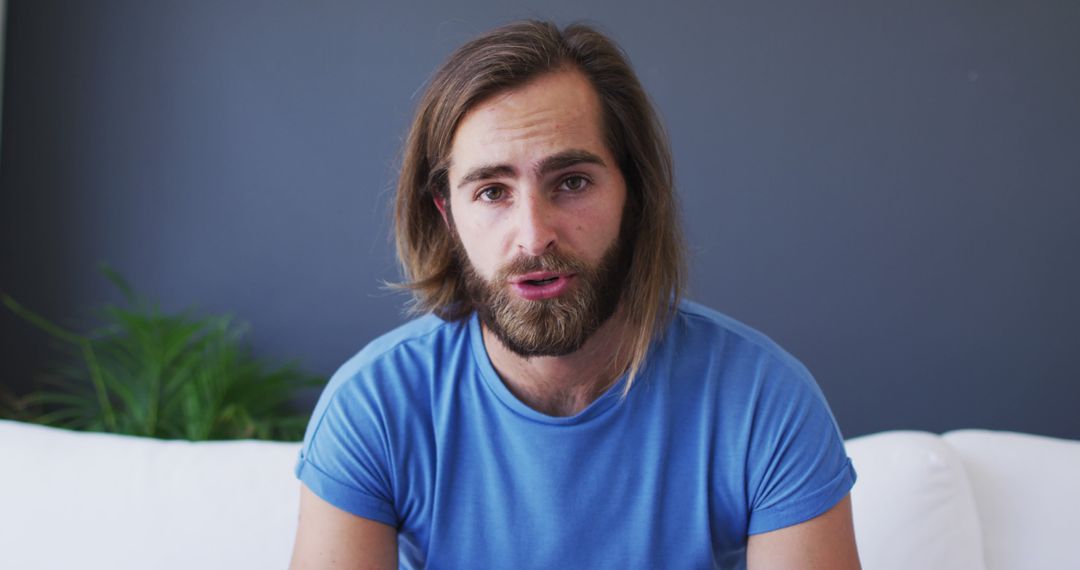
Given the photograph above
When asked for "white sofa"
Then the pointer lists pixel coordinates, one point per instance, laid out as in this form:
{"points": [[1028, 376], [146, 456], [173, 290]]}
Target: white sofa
{"points": [[965, 500]]}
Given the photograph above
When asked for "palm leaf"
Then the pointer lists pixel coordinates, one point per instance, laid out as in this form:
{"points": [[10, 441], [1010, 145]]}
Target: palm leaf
{"points": [[143, 371]]}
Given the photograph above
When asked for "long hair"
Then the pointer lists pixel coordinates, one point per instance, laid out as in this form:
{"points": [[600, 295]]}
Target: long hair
{"points": [[506, 58]]}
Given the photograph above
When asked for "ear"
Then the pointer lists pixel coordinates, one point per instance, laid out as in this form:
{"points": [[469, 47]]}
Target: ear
{"points": [[440, 203]]}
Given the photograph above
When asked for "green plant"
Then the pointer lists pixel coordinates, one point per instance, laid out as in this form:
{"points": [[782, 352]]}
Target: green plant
{"points": [[14, 407], [148, 373]]}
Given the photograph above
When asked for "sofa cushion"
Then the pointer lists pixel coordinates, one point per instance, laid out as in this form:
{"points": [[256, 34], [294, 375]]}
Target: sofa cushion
{"points": [[87, 500], [912, 504], [1028, 493]]}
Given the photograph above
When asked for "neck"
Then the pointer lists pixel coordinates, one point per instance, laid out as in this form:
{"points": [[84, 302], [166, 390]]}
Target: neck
{"points": [[562, 385]]}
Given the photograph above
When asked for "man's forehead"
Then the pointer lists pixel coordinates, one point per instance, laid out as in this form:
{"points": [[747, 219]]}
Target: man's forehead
{"points": [[556, 114]]}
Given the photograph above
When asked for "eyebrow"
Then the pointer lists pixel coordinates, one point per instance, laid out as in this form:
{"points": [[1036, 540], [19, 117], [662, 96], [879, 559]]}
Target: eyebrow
{"points": [[553, 163]]}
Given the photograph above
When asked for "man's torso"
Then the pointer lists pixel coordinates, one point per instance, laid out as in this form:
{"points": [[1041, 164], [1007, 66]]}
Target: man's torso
{"points": [[722, 435]]}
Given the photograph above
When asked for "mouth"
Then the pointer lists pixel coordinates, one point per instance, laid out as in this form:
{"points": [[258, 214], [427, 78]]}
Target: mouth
{"points": [[541, 285]]}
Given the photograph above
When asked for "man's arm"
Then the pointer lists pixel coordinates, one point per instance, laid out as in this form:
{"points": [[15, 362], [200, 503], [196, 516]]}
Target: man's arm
{"points": [[328, 537], [826, 542]]}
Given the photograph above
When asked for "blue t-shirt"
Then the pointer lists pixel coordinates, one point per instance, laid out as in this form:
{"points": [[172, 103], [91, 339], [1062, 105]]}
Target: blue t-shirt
{"points": [[722, 435]]}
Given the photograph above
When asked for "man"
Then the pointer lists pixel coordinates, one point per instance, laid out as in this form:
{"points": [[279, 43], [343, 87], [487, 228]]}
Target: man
{"points": [[562, 407]]}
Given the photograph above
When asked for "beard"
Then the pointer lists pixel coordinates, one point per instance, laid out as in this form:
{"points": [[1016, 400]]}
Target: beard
{"points": [[555, 326]]}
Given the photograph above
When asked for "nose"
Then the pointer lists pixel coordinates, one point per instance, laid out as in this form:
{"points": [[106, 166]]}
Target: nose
{"points": [[535, 226]]}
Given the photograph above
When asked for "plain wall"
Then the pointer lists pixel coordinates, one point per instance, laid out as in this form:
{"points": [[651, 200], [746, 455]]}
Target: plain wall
{"points": [[891, 190]]}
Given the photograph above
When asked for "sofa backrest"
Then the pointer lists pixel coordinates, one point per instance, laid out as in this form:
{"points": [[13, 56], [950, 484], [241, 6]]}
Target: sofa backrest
{"points": [[88, 500], [1027, 490], [913, 505], [970, 500]]}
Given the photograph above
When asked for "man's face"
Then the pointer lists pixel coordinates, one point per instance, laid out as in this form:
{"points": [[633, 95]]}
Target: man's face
{"points": [[536, 203]]}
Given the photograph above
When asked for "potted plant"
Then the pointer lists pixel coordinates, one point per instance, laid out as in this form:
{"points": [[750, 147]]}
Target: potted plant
{"points": [[149, 373]]}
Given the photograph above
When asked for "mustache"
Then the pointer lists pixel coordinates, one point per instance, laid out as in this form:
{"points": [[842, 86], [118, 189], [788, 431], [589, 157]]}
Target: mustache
{"points": [[552, 261]]}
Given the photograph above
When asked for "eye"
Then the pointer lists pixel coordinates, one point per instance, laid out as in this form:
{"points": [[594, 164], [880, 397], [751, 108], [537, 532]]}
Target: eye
{"points": [[574, 183], [490, 194]]}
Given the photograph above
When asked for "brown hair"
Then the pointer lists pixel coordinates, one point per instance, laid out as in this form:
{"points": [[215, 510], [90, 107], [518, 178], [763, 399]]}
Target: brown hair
{"points": [[509, 57]]}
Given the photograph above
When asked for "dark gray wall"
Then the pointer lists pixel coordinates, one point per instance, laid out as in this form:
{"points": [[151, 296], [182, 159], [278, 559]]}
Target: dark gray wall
{"points": [[889, 189]]}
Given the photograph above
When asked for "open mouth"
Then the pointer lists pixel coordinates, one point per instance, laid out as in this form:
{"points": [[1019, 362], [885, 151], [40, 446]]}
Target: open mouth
{"points": [[539, 286]]}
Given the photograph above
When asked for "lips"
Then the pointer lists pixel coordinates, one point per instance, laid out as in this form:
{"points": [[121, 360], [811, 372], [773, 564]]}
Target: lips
{"points": [[541, 285], [535, 276]]}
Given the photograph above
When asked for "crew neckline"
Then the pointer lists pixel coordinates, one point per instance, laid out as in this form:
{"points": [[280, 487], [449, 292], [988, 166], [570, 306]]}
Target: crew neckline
{"points": [[595, 409]]}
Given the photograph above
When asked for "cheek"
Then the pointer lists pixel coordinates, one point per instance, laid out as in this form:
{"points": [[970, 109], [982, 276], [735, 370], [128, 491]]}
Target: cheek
{"points": [[480, 242], [599, 226], [611, 224]]}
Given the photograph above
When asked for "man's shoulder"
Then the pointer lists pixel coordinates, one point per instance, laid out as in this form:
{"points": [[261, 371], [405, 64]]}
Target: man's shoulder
{"points": [[751, 371], [400, 354], [426, 333], [706, 325]]}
